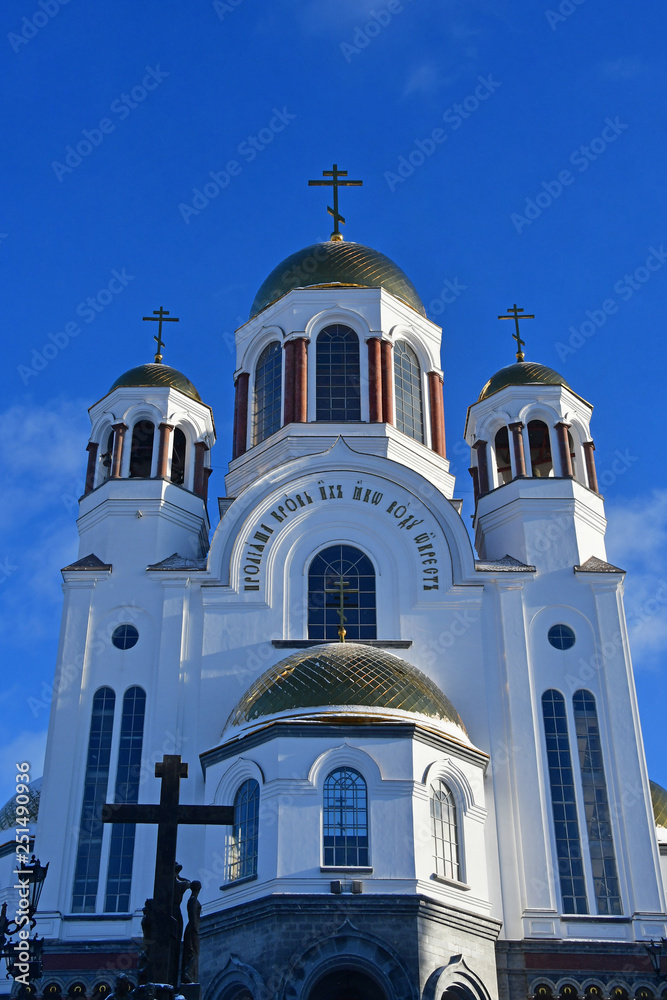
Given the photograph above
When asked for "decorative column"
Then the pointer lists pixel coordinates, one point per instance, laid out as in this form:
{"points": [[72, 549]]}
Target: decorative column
{"points": [[387, 382], [290, 377], [437, 408], [519, 454], [589, 448], [119, 431], [163, 450], [564, 450], [300, 368], [200, 477], [91, 448], [240, 415], [374, 380], [482, 467]]}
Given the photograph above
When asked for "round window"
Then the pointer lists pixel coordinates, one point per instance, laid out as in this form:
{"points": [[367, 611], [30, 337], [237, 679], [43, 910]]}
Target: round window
{"points": [[561, 636], [124, 637]]}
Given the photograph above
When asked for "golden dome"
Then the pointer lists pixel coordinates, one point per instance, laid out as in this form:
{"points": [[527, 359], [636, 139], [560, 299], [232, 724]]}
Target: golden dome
{"points": [[659, 800], [522, 373], [157, 375], [336, 263], [343, 674]]}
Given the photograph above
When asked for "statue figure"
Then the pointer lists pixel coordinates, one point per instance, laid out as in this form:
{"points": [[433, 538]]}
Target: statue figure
{"points": [[180, 885], [122, 987], [143, 968], [190, 967]]}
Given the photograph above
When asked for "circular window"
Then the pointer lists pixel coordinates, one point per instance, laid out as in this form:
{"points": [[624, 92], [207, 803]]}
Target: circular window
{"points": [[560, 636], [124, 637]]}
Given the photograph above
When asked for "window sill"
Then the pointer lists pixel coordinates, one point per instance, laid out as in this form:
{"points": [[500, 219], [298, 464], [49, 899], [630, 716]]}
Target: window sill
{"points": [[451, 881], [352, 871], [238, 881], [307, 643]]}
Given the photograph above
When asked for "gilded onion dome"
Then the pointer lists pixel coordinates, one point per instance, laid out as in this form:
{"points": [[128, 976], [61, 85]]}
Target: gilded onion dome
{"points": [[659, 801], [159, 375], [332, 264], [342, 675], [522, 373]]}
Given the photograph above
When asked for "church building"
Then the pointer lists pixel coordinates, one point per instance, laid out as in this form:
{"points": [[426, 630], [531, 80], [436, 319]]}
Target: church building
{"points": [[433, 751]]}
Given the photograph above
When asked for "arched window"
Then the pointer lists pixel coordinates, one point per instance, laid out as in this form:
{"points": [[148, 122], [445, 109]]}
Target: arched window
{"points": [[408, 391], [503, 461], [596, 804], [345, 823], [244, 841], [141, 453], [178, 457], [564, 804], [337, 377], [89, 851], [266, 400], [443, 829], [106, 457], [341, 581], [121, 852], [540, 449]]}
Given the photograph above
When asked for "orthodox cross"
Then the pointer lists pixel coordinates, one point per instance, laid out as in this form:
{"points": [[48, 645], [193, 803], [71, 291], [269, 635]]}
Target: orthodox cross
{"points": [[514, 314], [168, 816], [160, 316], [339, 588], [335, 183]]}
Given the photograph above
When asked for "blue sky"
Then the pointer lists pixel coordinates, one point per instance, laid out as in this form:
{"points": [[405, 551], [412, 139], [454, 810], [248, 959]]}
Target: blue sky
{"points": [[511, 152]]}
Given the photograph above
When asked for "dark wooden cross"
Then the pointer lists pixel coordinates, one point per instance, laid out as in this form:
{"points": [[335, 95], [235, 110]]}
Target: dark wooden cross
{"points": [[514, 314], [160, 316], [168, 816], [335, 183], [339, 588]]}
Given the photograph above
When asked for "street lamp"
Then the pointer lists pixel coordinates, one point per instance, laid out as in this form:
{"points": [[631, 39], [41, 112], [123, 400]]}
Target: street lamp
{"points": [[654, 950], [24, 956]]}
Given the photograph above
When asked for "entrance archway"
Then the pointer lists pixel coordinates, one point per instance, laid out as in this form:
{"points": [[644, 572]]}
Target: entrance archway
{"points": [[346, 984]]}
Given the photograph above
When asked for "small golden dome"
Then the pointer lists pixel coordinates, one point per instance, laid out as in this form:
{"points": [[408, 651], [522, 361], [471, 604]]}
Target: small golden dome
{"points": [[157, 375], [343, 674], [659, 800], [336, 263], [522, 373]]}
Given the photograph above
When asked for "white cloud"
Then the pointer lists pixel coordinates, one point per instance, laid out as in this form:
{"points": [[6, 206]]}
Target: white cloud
{"points": [[426, 79]]}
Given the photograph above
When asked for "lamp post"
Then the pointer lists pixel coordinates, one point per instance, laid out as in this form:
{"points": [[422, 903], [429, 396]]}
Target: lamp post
{"points": [[24, 955], [654, 950]]}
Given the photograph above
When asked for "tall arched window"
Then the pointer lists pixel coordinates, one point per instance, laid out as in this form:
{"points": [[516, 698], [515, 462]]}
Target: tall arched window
{"points": [[341, 579], [564, 804], [540, 449], [141, 453], [503, 461], [337, 376], [91, 828], [596, 804], [244, 842], [106, 457], [408, 391], [121, 852], [178, 457], [345, 823], [266, 400], [444, 831]]}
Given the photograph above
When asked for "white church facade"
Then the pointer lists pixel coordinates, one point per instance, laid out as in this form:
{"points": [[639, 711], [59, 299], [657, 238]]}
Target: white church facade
{"points": [[434, 756]]}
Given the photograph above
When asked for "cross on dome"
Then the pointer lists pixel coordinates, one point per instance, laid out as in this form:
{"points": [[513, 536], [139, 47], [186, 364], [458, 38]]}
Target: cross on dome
{"points": [[160, 316], [513, 313], [335, 183]]}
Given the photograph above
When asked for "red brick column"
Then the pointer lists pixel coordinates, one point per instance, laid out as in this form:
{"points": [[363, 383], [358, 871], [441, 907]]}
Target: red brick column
{"points": [[519, 454], [387, 365], [435, 381], [589, 448], [200, 478], [300, 366], [240, 415], [482, 467], [564, 450], [163, 450], [118, 441], [91, 448], [290, 378], [374, 380]]}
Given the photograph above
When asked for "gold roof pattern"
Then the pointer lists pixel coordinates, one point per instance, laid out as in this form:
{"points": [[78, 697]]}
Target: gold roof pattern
{"points": [[659, 800], [336, 263], [522, 373], [157, 375], [342, 674]]}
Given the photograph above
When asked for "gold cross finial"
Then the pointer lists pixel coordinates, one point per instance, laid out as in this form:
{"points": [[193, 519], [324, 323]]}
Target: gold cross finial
{"points": [[160, 316], [514, 314], [335, 183]]}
